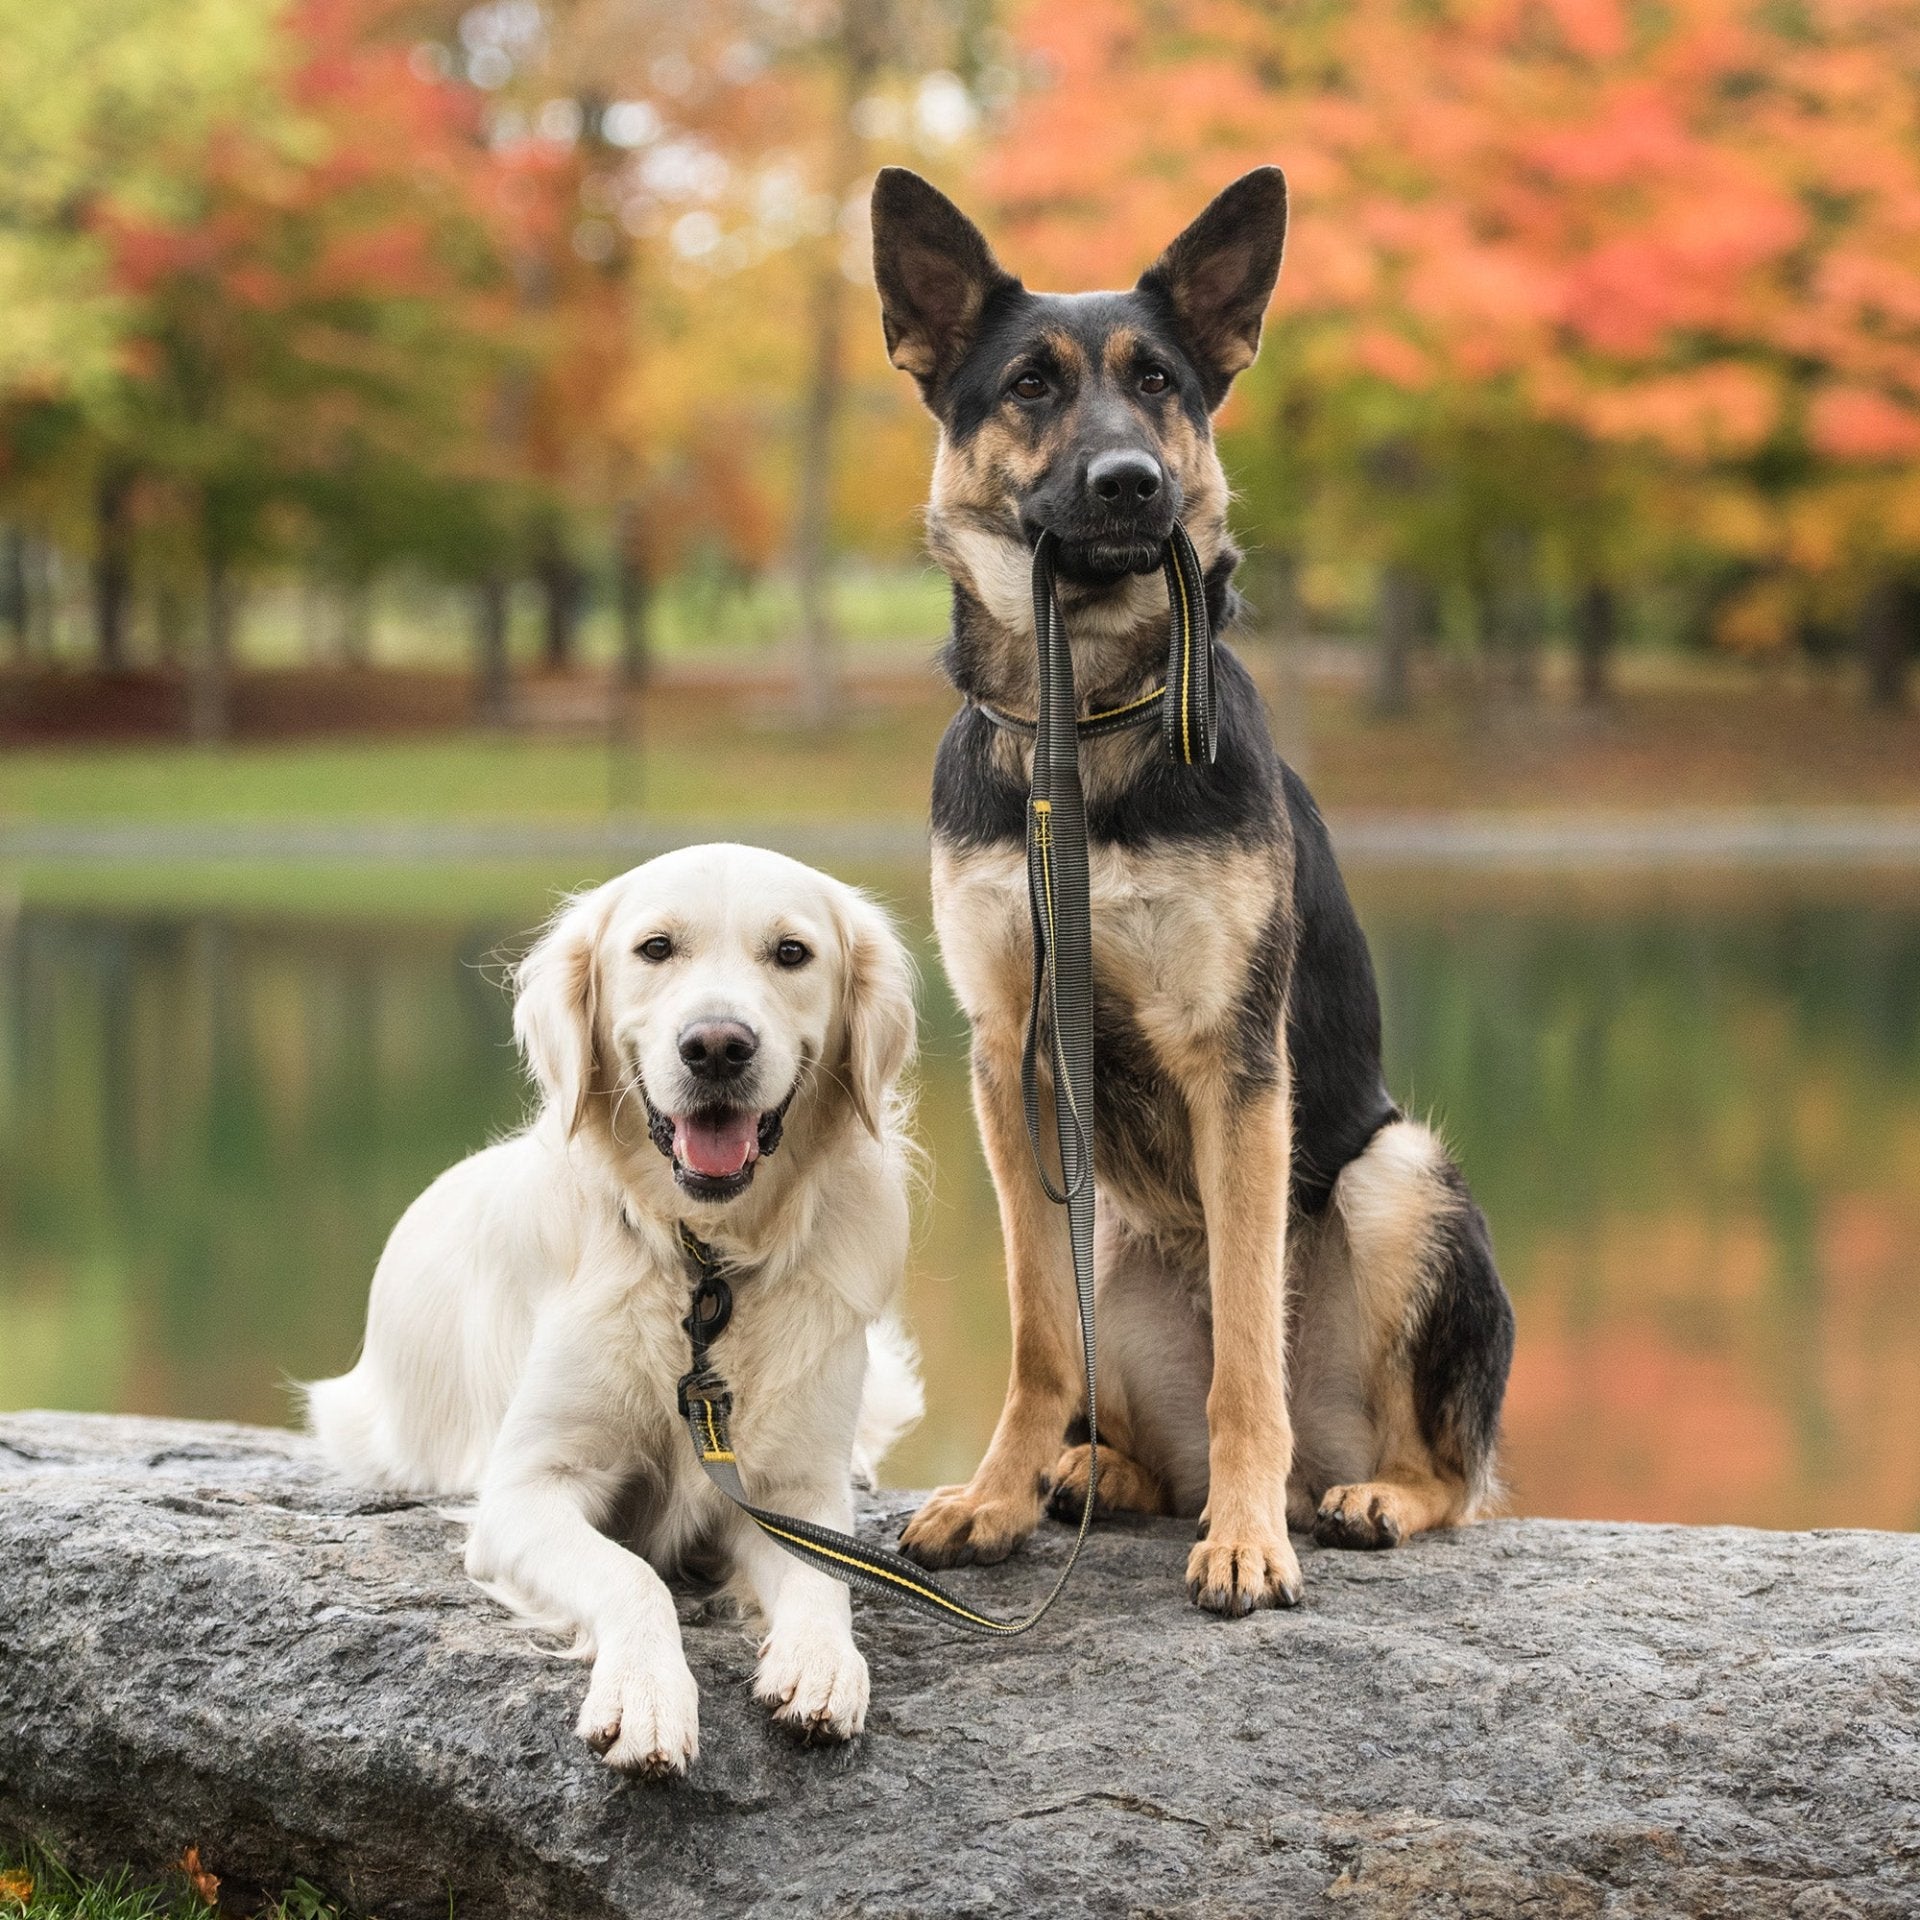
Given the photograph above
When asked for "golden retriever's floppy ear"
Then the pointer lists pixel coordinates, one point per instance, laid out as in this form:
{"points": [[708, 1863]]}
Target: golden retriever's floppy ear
{"points": [[555, 994], [876, 1010]]}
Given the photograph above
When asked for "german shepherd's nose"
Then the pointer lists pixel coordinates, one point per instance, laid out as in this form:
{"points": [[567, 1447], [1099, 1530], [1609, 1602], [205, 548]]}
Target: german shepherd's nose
{"points": [[1127, 478]]}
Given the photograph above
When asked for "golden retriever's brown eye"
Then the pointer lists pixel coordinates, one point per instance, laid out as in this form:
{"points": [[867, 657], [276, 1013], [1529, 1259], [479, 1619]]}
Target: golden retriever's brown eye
{"points": [[793, 953], [1030, 386], [1154, 380], [656, 949]]}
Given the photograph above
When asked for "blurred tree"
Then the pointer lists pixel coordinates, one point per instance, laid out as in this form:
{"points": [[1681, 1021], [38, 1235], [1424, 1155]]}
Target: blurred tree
{"points": [[315, 349], [100, 100], [750, 134], [1583, 258]]}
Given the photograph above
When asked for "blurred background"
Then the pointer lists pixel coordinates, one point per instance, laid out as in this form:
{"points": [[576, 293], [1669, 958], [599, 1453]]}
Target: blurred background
{"points": [[447, 453]]}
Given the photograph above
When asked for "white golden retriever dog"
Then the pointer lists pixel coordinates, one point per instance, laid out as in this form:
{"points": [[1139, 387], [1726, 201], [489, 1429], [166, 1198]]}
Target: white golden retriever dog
{"points": [[718, 1038]]}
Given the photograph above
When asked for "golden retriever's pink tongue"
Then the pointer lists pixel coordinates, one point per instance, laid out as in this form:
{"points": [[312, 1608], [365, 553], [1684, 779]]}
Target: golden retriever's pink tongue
{"points": [[716, 1144]]}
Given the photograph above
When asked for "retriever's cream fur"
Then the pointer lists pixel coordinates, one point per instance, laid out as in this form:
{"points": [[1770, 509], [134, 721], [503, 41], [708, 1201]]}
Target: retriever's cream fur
{"points": [[523, 1336]]}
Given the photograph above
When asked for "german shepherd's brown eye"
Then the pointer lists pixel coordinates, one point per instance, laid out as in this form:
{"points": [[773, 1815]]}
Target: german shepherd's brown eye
{"points": [[793, 953], [1154, 380], [658, 948], [1030, 386]]}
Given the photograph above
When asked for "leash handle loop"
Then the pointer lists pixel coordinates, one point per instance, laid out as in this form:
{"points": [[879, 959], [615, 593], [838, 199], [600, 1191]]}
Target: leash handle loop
{"points": [[1189, 712]]}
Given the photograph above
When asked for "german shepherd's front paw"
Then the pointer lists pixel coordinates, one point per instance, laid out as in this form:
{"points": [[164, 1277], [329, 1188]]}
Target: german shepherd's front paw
{"points": [[959, 1527], [1364, 1516], [1242, 1569], [1124, 1486]]}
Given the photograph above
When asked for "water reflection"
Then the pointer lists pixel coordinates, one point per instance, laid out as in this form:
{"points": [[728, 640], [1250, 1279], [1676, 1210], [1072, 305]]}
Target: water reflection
{"points": [[1695, 1125]]}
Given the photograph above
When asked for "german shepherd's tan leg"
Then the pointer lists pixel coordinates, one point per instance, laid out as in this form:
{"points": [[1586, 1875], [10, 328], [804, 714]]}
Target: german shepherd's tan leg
{"points": [[985, 1519], [1241, 1146], [1433, 1331], [1154, 1363]]}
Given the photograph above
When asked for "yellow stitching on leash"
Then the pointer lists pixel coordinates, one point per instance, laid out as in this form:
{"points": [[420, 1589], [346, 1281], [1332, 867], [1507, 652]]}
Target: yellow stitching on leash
{"points": [[929, 1594], [1186, 661]]}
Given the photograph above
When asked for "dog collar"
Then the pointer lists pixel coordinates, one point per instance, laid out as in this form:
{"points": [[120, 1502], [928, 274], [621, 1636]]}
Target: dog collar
{"points": [[1136, 713]]}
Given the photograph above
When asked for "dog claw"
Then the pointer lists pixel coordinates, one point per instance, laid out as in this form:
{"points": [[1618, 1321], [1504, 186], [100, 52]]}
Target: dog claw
{"points": [[956, 1529], [1358, 1518], [1233, 1579]]}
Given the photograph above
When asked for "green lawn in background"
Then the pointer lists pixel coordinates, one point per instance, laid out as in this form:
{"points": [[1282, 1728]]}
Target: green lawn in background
{"points": [[725, 752], [719, 764], [699, 612]]}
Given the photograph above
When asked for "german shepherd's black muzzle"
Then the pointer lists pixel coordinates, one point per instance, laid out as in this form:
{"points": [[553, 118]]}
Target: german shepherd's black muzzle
{"points": [[1112, 510]]}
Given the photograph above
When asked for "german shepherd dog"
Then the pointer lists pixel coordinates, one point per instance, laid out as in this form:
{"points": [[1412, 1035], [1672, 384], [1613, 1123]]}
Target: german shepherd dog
{"points": [[1300, 1319]]}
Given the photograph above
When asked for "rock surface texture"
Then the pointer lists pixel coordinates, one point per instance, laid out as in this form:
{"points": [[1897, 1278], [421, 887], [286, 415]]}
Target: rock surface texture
{"points": [[205, 1639]]}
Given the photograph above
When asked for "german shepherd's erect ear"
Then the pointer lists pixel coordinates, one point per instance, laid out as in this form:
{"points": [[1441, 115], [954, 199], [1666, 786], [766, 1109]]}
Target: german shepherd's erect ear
{"points": [[1217, 278], [935, 273]]}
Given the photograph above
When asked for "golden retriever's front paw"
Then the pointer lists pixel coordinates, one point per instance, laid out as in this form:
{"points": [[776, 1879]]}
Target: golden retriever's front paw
{"points": [[958, 1527], [1243, 1569], [816, 1683], [642, 1714]]}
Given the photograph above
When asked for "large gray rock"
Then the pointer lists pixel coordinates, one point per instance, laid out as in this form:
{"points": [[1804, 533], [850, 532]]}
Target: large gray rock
{"points": [[205, 1639]]}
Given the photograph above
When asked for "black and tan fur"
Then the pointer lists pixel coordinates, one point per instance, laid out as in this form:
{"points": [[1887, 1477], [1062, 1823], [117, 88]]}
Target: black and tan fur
{"points": [[1300, 1320]]}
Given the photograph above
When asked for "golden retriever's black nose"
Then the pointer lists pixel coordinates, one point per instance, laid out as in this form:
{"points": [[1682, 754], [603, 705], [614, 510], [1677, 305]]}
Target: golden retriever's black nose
{"points": [[717, 1049], [1123, 479]]}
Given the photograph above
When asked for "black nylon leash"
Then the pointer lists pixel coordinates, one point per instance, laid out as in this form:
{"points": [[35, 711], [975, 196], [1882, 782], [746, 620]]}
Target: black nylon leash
{"points": [[1061, 1017], [1187, 720]]}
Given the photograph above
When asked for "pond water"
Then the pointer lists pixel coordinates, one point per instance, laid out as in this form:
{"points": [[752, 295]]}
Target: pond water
{"points": [[1692, 1114]]}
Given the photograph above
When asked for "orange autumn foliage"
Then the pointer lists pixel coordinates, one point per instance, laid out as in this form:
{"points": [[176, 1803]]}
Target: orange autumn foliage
{"points": [[1687, 236], [205, 1885]]}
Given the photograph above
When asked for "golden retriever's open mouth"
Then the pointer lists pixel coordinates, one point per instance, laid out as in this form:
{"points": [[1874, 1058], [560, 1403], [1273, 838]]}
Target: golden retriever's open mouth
{"points": [[716, 1149]]}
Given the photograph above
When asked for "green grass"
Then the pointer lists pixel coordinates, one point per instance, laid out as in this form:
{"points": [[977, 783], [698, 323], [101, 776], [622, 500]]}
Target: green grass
{"points": [[34, 1886], [687, 761], [698, 612], [506, 894]]}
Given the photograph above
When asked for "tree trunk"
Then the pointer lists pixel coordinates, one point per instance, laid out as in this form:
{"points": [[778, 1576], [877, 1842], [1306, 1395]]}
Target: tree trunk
{"points": [[1510, 616], [560, 586], [13, 591], [1885, 645], [819, 667], [633, 592], [1596, 629], [356, 623], [1286, 618], [170, 623], [112, 569], [1400, 607], [492, 676], [210, 691], [43, 599], [861, 37]]}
